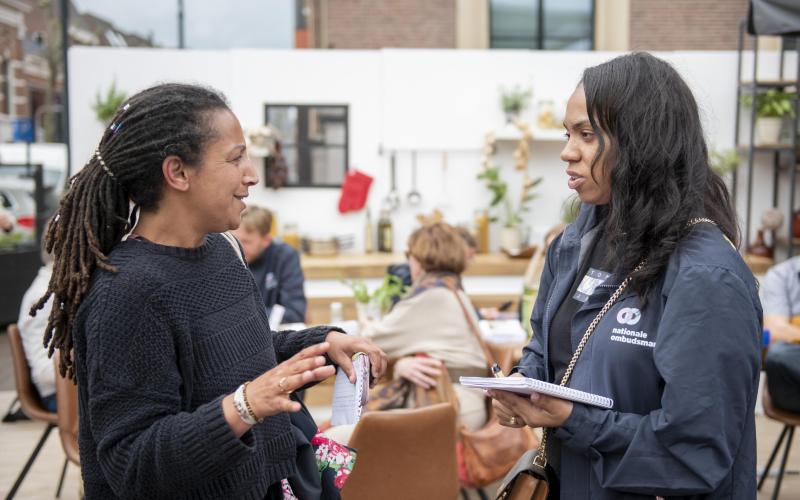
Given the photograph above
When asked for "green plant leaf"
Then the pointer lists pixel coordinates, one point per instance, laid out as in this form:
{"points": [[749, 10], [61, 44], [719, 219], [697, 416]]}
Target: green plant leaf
{"points": [[106, 107]]}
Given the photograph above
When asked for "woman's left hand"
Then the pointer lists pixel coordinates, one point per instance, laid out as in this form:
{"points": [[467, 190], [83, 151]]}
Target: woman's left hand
{"points": [[344, 346], [539, 410]]}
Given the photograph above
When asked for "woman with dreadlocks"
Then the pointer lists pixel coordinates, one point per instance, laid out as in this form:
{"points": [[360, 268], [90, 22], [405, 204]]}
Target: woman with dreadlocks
{"points": [[645, 300], [183, 390]]}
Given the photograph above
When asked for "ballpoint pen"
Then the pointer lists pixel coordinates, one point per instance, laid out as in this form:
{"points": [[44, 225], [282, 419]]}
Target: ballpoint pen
{"points": [[496, 371]]}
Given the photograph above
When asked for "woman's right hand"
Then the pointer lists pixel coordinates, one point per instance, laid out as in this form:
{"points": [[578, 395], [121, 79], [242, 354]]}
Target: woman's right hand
{"points": [[505, 415], [421, 370], [269, 393]]}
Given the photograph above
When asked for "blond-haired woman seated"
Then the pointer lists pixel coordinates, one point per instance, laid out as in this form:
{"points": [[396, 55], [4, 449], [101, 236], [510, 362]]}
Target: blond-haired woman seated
{"points": [[432, 320]]}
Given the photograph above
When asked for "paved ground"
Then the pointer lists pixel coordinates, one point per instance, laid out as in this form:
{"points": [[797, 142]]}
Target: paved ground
{"points": [[18, 439]]}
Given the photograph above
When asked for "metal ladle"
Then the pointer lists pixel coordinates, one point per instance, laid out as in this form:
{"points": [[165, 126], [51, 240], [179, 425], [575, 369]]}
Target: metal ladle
{"points": [[392, 199], [414, 196]]}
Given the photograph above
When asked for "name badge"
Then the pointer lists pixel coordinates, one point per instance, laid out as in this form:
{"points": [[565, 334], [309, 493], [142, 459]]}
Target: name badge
{"points": [[592, 279], [271, 281]]}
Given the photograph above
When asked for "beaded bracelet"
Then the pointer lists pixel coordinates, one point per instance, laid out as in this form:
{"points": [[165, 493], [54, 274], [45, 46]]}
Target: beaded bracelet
{"points": [[247, 404], [240, 404]]}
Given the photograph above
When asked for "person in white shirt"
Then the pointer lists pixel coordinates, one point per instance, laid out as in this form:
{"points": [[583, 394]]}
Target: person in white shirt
{"points": [[6, 221], [31, 329]]}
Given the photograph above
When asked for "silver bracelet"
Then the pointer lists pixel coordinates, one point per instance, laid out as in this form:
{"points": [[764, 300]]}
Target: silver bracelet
{"points": [[241, 406]]}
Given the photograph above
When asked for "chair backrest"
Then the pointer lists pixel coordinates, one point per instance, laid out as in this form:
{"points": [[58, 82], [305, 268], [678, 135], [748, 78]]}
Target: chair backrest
{"points": [[775, 413], [28, 396], [405, 454], [67, 410]]}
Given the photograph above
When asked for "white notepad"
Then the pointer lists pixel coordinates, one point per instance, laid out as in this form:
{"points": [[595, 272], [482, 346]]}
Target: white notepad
{"points": [[522, 385], [348, 399]]}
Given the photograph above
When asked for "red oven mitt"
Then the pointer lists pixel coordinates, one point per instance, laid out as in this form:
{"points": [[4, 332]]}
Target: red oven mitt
{"points": [[355, 190]]}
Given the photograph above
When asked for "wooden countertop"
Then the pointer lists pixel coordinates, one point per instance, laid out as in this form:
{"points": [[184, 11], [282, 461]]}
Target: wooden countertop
{"points": [[374, 265]]}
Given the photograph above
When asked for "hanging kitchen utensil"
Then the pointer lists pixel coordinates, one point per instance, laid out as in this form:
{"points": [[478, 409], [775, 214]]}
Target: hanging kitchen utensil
{"points": [[444, 200], [392, 199], [414, 196]]}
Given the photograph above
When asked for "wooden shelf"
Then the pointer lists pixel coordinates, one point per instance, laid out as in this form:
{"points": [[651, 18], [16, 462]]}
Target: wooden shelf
{"points": [[769, 84], [374, 265], [758, 265], [319, 308], [510, 133], [766, 148], [549, 135]]}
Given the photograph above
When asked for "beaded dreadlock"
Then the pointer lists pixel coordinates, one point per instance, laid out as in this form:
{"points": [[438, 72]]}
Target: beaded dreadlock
{"points": [[168, 119]]}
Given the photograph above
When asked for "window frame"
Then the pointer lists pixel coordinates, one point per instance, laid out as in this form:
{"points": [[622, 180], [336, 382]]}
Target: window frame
{"points": [[540, 37], [304, 145]]}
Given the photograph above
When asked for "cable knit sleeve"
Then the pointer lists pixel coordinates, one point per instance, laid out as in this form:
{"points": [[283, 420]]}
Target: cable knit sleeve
{"points": [[289, 342], [148, 446]]}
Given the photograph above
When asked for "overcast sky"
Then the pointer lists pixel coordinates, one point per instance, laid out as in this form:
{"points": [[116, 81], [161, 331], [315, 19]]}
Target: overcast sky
{"points": [[209, 24]]}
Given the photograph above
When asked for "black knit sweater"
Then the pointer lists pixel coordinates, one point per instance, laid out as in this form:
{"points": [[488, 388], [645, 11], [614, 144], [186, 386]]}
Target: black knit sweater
{"points": [[157, 346]]}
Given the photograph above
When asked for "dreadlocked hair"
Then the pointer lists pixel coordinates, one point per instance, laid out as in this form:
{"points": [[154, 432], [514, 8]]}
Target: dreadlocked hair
{"points": [[658, 160], [168, 119]]}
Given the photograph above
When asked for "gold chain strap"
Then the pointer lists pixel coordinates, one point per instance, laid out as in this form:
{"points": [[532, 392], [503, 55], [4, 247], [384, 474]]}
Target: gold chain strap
{"points": [[540, 458]]}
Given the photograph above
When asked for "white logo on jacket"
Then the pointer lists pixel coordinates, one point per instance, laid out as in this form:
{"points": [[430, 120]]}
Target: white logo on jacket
{"points": [[629, 316]]}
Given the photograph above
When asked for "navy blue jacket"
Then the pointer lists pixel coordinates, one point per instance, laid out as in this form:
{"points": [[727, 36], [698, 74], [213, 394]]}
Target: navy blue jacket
{"points": [[280, 280], [683, 374]]}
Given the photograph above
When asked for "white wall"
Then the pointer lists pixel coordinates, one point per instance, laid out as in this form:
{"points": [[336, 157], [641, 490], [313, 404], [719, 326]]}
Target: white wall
{"points": [[50, 155], [423, 99]]}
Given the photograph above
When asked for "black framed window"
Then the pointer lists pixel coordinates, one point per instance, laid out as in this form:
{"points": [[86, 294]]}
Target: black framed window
{"points": [[315, 140], [5, 87], [542, 24]]}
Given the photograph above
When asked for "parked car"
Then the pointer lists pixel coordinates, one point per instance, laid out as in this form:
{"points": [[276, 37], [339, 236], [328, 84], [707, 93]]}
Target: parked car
{"points": [[21, 204]]}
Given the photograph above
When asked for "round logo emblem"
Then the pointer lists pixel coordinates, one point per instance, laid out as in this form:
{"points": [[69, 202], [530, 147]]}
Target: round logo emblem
{"points": [[629, 316]]}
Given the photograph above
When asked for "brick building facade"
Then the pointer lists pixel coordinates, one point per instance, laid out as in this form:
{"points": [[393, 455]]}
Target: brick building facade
{"points": [[686, 24], [367, 24], [618, 24], [30, 54]]}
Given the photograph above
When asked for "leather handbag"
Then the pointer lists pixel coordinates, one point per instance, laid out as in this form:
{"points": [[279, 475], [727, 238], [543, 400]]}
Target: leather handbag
{"points": [[528, 480], [531, 478], [488, 453]]}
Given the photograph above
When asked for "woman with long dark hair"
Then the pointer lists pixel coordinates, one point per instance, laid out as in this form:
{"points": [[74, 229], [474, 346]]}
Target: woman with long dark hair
{"points": [[183, 390], [647, 286]]}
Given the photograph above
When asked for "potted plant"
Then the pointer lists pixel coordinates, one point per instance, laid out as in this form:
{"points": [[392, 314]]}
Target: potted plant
{"points": [[514, 101], [723, 161], [370, 306], [511, 233], [105, 107], [772, 107]]}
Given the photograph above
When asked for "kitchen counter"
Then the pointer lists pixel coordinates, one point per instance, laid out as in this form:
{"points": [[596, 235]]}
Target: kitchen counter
{"points": [[374, 265], [491, 280]]}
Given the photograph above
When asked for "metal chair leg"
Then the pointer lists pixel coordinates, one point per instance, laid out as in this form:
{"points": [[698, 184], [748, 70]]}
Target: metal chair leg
{"points": [[772, 455], [783, 464], [28, 464], [8, 416], [61, 480]]}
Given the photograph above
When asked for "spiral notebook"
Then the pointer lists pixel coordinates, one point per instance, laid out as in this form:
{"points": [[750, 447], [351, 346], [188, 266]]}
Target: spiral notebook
{"points": [[349, 399], [522, 385]]}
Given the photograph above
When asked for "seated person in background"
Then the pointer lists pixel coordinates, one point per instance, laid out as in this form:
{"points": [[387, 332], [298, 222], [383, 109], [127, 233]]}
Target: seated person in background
{"points": [[6, 221], [275, 265], [431, 321], [31, 329], [781, 302], [403, 271]]}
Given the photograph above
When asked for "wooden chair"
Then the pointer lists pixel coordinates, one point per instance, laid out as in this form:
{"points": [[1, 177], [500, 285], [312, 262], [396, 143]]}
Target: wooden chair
{"points": [[790, 421], [29, 400], [67, 401], [405, 454]]}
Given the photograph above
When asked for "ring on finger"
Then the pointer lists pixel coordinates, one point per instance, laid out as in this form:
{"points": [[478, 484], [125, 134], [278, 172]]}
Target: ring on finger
{"points": [[283, 385]]}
